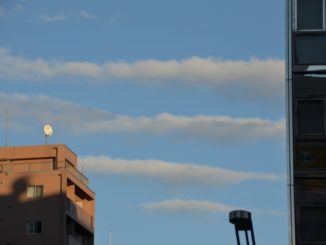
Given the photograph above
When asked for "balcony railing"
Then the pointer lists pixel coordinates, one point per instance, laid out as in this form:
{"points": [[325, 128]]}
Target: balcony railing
{"points": [[71, 169], [73, 241], [80, 215]]}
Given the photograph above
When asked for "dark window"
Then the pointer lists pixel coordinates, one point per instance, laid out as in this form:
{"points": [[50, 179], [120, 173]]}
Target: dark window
{"points": [[310, 15], [312, 224], [316, 185], [310, 155], [310, 118], [34, 227], [310, 49]]}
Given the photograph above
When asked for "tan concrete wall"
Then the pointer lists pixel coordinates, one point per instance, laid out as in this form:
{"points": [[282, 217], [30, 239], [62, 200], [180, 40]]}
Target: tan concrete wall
{"points": [[59, 152], [41, 165], [16, 209]]}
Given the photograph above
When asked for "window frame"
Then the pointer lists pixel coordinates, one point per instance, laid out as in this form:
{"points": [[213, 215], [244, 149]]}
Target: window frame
{"points": [[33, 224], [299, 211], [297, 101], [308, 30], [35, 192], [313, 165]]}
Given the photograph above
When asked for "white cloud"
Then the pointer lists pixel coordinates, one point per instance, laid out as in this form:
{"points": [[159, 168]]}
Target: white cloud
{"points": [[84, 120], [82, 69], [18, 8], [11, 9], [28, 110], [73, 16], [171, 172], [86, 15], [202, 69], [254, 77], [53, 18], [15, 67], [201, 206], [178, 205], [213, 128], [3, 11]]}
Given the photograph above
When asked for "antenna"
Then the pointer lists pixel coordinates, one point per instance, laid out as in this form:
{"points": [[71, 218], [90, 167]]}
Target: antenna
{"points": [[48, 131], [110, 238], [6, 138]]}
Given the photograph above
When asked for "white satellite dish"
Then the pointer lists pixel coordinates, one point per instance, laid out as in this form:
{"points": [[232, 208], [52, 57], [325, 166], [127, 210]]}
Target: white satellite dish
{"points": [[48, 131]]}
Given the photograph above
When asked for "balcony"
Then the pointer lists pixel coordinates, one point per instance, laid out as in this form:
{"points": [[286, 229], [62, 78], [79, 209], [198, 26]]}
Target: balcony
{"points": [[78, 214], [72, 170], [73, 241]]}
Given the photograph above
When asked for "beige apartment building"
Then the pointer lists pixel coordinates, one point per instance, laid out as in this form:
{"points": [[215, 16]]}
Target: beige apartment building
{"points": [[44, 199]]}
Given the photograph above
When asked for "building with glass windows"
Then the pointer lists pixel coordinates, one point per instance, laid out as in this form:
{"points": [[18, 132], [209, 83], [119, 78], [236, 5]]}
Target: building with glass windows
{"points": [[44, 199], [306, 124]]}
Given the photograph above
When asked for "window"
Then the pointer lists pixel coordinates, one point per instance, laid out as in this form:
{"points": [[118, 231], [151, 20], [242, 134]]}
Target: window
{"points": [[34, 227], [306, 185], [312, 224], [34, 191], [310, 155], [310, 15], [310, 117], [310, 50]]}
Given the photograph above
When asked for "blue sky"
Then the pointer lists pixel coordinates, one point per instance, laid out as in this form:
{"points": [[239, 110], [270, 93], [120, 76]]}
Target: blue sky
{"points": [[175, 108]]}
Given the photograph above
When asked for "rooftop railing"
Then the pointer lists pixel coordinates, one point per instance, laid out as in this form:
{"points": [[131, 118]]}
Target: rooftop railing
{"points": [[9, 167], [75, 172]]}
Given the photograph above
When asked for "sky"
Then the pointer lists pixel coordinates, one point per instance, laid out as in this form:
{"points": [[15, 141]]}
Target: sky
{"points": [[176, 109]]}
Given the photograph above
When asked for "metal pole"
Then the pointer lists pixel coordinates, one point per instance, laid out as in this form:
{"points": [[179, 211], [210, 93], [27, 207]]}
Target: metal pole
{"points": [[253, 236], [237, 235], [289, 25], [247, 240], [6, 144]]}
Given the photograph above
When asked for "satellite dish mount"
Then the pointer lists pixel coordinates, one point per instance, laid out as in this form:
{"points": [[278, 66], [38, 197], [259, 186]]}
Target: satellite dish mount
{"points": [[48, 131]]}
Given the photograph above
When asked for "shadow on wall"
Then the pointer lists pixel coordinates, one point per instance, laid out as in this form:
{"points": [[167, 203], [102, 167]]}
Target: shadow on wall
{"points": [[27, 217]]}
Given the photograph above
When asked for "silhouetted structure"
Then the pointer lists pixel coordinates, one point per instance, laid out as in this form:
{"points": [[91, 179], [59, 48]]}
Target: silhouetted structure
{"points": [[242, 222], [306, 96], [44, 199]]}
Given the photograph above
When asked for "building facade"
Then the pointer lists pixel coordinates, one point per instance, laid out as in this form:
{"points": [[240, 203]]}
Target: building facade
{"points": [[306, 97], [44, 199]]}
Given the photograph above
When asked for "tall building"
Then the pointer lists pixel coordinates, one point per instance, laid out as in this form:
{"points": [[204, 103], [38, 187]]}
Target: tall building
{"points": [[44, 199], [306, 97]]}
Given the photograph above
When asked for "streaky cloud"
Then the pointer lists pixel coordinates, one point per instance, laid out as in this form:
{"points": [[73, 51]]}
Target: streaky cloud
{"points": [[78, 119], [172, 172], [200, 206], [259, 77], [86, 15], [53, 18], [180, 205], [3, 11]]}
